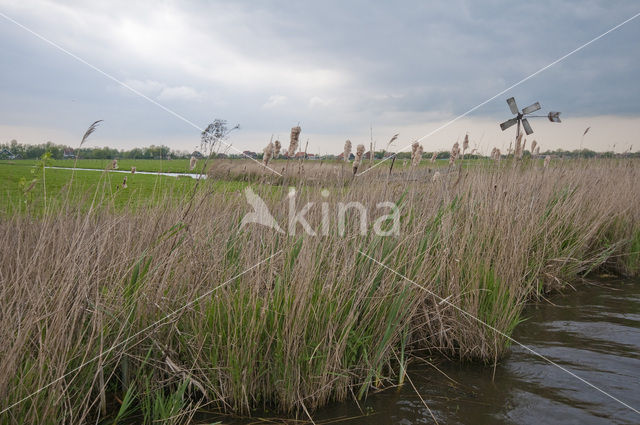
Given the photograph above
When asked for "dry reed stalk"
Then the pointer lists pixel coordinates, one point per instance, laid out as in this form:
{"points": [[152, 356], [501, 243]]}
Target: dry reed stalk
{"points": [[358, 158], [371, 154], [137, 272], [518, 150], [347, 151]]}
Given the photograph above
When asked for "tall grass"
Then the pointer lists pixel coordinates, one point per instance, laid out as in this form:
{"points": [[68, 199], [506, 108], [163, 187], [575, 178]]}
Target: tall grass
{"points": [[318, 321]]}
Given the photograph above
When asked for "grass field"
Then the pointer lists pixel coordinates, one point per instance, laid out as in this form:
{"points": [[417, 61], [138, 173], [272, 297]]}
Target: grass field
{"points": [[85, 184], [182, 165], [147, 311]]}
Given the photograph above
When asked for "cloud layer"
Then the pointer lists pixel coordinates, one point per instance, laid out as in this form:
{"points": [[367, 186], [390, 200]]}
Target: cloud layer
{"points": [[336, 67]]}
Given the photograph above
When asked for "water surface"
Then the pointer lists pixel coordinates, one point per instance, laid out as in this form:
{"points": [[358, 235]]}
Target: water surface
{"points": [[593, 332]]}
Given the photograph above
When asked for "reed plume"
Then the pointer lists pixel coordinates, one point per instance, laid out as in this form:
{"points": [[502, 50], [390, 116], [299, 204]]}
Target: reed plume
{"points": [[347, 150], [465, 143], [358, 159], [295, 138], [455, 151], [434, 157], [495, 154], [547, 160], [393, 139], [133, 170], [416, 154], [267, 153], [192, 163], [276, 149], [533, 146]]}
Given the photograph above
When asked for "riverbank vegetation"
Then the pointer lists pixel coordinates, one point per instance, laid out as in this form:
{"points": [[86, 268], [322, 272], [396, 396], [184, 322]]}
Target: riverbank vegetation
{"points": [[112, 312]]}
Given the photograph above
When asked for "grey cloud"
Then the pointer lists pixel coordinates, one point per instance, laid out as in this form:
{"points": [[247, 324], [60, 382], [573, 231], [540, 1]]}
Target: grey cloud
{"points": [[334, 66]]}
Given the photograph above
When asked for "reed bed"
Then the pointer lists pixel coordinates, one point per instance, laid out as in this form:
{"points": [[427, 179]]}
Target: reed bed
{"points": [[318, 321]]}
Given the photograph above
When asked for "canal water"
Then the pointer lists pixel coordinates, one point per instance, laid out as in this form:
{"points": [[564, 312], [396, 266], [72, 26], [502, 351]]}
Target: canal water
{"points": [[594, 332], [154, 173]]}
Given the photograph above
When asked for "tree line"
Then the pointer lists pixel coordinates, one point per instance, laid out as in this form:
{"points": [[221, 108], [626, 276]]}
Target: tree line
{"points": [[26, 151]]}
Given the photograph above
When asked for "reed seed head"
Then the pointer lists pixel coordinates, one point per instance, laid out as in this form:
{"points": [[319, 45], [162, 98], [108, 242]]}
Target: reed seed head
{"points": [[455, 151], [295, 139], [416, 155], [347, 150], [267, 153], [358, 158]]}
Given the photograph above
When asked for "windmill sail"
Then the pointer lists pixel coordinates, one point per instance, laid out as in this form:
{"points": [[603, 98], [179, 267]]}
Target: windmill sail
{"points": [[512, 105], [531, 108], [508, 123], [526, 126]]}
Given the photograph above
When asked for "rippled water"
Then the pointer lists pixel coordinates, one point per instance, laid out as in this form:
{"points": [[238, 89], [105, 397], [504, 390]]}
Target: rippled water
{"points": [[593, 332]]}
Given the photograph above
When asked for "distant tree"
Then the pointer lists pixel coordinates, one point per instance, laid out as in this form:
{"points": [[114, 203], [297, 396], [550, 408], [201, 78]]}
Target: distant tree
{"points": [[212, 136]]}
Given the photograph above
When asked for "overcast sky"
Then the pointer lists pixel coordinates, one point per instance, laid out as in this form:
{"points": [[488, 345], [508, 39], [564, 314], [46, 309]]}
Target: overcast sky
{"points": [[335, 67]]}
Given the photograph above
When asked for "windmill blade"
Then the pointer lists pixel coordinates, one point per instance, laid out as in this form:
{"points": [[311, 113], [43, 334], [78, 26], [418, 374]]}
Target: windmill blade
{"points": [[527, 127], [531, 108], [554, 116], [512, 105], [508, 123]]}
